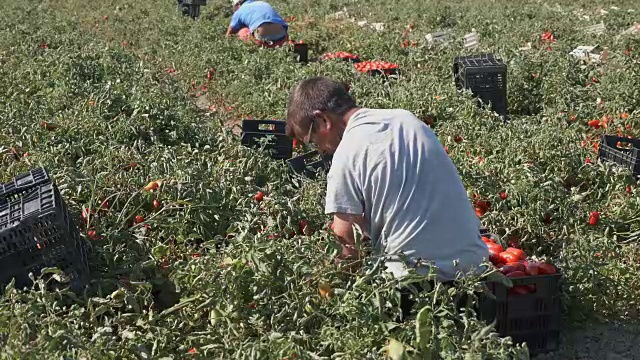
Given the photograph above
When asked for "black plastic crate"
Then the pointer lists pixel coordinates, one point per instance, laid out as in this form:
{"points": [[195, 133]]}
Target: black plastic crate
{"points": [[310, 164], [609, 151], [533, 318], [37, 231], [302, 52], [23, 182], [280, 146], [191, 8], [486, 77], [387, 73]]}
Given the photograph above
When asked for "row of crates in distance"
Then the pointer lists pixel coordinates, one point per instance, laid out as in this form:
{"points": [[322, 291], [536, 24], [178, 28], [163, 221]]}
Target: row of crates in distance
{"points": [[37, 231], [270, 135]]}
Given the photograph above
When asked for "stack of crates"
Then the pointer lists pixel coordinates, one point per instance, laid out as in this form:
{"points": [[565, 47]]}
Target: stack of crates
{"points": [[486, 77], [37, 231]]}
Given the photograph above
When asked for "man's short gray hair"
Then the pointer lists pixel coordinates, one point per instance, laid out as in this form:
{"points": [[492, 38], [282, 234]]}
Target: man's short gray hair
{"points": [[315, 94]]}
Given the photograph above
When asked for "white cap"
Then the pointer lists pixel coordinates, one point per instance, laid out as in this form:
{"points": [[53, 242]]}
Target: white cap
{"points": [[235, 2]]}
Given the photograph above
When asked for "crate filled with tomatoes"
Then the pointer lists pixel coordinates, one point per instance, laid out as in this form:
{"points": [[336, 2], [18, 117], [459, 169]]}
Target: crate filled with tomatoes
{"points": [[375, 68], [340, 55], [621, 151], [530, 310]]}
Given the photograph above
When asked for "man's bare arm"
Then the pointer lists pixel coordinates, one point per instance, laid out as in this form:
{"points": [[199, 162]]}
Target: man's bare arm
{"points": [[342, 226]]}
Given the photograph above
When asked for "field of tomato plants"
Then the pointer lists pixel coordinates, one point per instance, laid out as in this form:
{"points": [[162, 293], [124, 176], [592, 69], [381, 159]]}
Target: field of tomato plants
{"points": [[115, 95]]}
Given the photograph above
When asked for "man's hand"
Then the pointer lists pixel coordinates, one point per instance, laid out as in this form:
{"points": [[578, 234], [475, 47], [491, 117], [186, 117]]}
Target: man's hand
{"points": [[343, 228], [229, 31]]}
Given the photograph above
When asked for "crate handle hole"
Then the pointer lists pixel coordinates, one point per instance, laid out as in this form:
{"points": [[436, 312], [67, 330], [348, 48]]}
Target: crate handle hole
{"points": [[266, 127]]}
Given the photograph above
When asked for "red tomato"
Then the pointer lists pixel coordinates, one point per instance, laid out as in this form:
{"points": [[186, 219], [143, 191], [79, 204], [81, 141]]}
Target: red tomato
{"points": [[104, 205], [157, 204], [303, 226], [295, 143], [495, 260], [91, 234], [532, 269], [259, 196], [594, 217], [517, 252], [503, 195], [507, 269], [516, 274], [139, 219], [513, 242], [495, 247], [483, 204], [488, 240], [518, 266], [508, 257], [544, 268]]}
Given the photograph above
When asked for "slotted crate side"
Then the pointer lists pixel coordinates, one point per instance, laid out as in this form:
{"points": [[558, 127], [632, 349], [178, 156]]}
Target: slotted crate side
{"points": [[609, 151], [281, 146], [302, 52], [37, 231], [497, 99], [23, 182], [479, 72], [534, 318], [276, 140], [484, 79], [385, 72], [310, 163], [273, 126], [459, 62]]}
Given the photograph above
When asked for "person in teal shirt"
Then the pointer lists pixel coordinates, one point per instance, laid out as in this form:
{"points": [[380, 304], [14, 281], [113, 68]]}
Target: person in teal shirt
{"points": [[259, 21]]}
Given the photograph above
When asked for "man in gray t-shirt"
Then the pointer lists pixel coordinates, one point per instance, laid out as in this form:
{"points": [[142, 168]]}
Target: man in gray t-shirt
{"points": [[391, 176]]}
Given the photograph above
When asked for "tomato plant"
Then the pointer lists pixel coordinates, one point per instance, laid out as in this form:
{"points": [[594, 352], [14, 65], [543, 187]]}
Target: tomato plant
{"points": [[228, 258]]}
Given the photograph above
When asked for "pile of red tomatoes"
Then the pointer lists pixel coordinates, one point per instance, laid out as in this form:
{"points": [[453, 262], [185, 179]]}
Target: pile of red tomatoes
{"points": [[514, 263]]}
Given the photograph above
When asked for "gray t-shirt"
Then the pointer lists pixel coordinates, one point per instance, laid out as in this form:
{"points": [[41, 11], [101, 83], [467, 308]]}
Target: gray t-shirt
{"points": [[391, 168]]}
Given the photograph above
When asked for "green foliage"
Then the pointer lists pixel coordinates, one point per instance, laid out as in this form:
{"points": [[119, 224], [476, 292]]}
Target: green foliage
{"points": [[213, 270]]}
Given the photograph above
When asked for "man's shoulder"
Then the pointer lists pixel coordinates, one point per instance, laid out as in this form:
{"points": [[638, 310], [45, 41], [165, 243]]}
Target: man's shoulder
{"points": [[255, 4], [381, 116]]}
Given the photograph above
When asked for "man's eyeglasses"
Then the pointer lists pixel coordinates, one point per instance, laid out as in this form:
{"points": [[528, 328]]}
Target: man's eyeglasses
{"points": [[308, 137]]}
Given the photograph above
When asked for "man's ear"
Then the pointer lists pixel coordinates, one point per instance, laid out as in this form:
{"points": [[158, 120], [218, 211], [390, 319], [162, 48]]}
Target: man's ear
{"points": [[326, 121]]}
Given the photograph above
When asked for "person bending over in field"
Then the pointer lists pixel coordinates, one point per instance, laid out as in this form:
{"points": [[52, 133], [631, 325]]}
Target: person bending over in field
{"points": [[258, 21], [391, 176]]}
